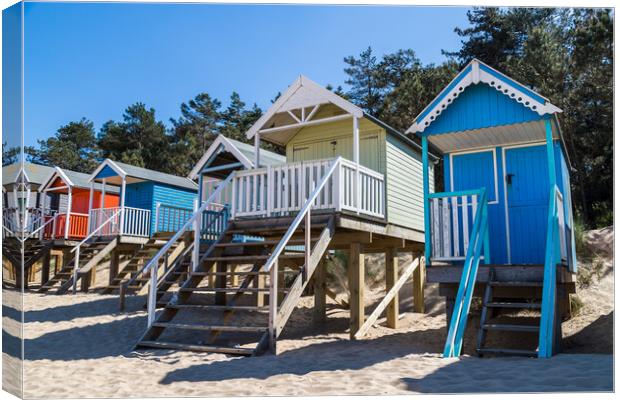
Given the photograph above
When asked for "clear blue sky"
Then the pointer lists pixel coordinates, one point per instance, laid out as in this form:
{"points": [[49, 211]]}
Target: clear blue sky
{"points": [[93, 60]]}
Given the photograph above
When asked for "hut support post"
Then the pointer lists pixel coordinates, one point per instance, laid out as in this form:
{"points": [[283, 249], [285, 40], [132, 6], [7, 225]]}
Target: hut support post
{"points": [[419, 278], [391, 276], [114, 261], [320, 289], [426, 191], [356, 287], [257, 150], [356, 160], [220, 283], [45, 268]]}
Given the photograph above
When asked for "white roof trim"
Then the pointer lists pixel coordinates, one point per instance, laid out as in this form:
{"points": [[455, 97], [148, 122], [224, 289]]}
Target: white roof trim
{"points": [[58, 172], [111, 164], [279, 105], [223, 141], [474, 76]]}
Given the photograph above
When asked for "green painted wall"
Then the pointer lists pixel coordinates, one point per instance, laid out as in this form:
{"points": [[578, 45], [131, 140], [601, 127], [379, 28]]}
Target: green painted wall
{"points": [[405, 196], [336, 139]]}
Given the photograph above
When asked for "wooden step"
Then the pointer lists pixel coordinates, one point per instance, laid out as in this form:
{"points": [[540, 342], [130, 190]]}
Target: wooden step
{"points": [[502, 304], [270, 229], [222, 328], [251, 259], [235, 273], [216, 308], [511, 327], [516, 284], [508, 352], [195, 347], [226, 290], [264, 243]]}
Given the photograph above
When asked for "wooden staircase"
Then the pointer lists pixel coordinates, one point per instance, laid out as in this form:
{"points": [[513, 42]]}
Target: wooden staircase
{"points": [[222, 306], [132, 271], [91, 254], [34, 250], [511, 324]]}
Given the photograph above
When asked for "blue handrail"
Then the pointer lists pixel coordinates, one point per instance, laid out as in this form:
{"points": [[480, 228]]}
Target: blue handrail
{"points": [[478, 240], [552, 258]]}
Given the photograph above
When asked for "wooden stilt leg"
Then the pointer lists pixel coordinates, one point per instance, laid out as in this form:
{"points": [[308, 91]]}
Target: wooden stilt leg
{"points": [[419, 278], [114, 262], [234, 279], [259, 283], [391, 276], [356, 287], [320, 286], [220, 282], [45, 268]]}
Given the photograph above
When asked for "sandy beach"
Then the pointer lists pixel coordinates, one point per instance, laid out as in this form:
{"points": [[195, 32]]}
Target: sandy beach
{"points": [[81, 346]]}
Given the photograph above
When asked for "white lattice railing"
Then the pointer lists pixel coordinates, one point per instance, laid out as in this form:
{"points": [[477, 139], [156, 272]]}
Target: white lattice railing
{"points": [[130, 221], [283, 189]]}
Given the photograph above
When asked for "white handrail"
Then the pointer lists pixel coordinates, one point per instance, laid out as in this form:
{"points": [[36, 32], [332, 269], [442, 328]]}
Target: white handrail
{"points": [[300, 215], [76, 248], [152, 264]]}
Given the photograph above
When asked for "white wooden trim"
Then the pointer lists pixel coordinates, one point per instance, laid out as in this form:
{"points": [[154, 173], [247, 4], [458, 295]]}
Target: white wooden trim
{"points": [[304, 124], [223, 141], [290, 92], [459, 153]]}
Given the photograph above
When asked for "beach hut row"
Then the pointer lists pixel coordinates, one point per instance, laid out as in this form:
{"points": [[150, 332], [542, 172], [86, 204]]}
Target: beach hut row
{"points": [[259, 227]]}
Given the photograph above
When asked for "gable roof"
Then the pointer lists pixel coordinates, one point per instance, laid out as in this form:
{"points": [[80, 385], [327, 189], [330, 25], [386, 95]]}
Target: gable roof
{"points": [[127, 170], [74, 179], [478, 72], [303, 92], [33, 173], [243, 152]]}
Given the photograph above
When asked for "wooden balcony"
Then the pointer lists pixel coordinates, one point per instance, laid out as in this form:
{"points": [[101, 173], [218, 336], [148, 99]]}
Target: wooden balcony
{"points": [[282, 190]]}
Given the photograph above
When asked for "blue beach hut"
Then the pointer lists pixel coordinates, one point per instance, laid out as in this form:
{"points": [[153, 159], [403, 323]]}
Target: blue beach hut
{"points": [[507, 200]]}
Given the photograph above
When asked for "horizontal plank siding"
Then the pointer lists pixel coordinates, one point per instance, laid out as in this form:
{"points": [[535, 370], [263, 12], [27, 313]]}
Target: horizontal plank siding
{"points": [[405, 196], [172, 197]]}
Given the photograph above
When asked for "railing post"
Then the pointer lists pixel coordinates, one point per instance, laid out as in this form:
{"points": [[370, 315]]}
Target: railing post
{"points": [[54, 226], [307, 242], [426, 190], [76, 265], [196, 250], [157, 207], [273, 306], [337, 188], [152, 301], [270, 187]]}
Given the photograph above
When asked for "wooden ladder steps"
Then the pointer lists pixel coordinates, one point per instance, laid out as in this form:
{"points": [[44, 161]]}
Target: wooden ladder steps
{"points": [[216, 307], [196, 347], [502, 304], [260, 243], [222, 328], [516, 284], [511, 327], [231, 273], [508, 352]]}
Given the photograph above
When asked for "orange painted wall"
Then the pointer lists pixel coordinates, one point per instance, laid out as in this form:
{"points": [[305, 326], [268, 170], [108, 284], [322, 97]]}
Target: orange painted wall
{"points": [[81, 198]]}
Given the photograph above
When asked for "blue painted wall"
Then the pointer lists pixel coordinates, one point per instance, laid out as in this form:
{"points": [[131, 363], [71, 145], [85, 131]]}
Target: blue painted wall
{"points": [[480, 106], [474, 171], [146, 195], [106, 172]]}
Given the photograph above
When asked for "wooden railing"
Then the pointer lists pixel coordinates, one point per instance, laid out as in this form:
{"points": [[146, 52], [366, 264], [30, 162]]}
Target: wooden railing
{"points": [[452, 216], [555, 246], [284, 189], [214, 223], [194, 222], [103, 227], [170, 218], [77, 229], [477, 240], [129, 221]]}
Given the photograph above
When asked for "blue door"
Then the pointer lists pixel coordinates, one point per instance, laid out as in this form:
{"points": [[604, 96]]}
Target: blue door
{"points": [[481, 170], [527, 188]]}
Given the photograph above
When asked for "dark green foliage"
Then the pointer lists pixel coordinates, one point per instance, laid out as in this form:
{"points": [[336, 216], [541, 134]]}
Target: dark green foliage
{"points": [[139, 140], [73, 146], [10, 155]]}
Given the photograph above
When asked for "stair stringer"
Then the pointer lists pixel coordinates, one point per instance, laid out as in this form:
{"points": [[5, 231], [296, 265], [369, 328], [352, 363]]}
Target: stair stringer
{"points": [[296, 290], [93, 262]]}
